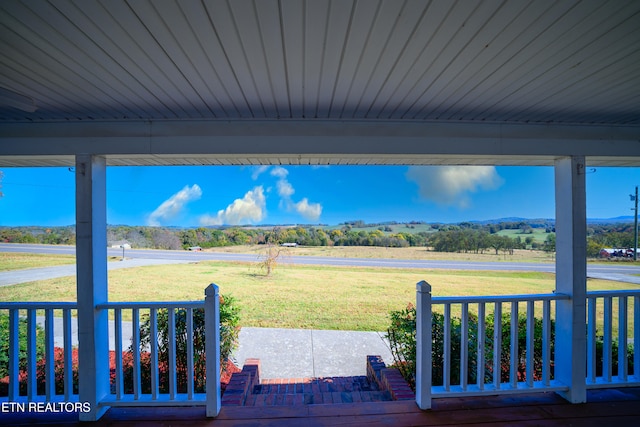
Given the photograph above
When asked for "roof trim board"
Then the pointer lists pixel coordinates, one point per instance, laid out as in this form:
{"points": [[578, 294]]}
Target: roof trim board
{"points": [[178, 142]]}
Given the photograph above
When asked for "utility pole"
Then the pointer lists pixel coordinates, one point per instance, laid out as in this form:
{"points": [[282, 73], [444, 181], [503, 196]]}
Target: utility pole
{"points": [[635, 227]]}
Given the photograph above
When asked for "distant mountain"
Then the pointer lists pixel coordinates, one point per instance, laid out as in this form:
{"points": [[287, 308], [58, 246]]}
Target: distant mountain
{"points": [[515, 219], [618, 219]]}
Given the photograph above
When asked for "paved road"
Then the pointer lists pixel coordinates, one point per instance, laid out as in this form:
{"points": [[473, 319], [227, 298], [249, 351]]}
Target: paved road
{"points": [[30, 275], [618, 271]]}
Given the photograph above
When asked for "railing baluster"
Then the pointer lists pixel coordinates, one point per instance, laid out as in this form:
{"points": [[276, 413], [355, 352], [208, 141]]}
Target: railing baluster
{"points": [[68, 353], [31, 354], [136, 353], [513, 371], [14, 354], [189, 340], [591, 340], [464, 345], [497, 345], [446, 374], [172, 354], [50, 389], [622, 338], [118, 354], [606, 348], [481, 346], [546, 342], [153, 336], [530, 343]]}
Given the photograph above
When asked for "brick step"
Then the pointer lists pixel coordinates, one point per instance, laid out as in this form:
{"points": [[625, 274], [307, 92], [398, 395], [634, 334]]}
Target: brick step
{"points": [[284, 399], [380, 384], [315, 385]]}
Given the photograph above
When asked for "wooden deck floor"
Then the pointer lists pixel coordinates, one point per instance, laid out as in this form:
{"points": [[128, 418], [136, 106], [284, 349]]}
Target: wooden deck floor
{"points": [[615, 407]]}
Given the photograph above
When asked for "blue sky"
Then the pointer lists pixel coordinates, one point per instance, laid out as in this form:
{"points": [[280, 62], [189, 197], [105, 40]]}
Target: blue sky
{"points": [[193, 196]]}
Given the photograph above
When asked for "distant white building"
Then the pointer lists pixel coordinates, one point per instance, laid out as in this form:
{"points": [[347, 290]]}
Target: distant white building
{"points": [[120, 244]]}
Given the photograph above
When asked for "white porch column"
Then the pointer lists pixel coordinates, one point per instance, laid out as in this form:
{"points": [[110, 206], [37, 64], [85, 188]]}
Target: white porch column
{"points": [[424, 345], [571, 276], [91, 265], [212, 348]]}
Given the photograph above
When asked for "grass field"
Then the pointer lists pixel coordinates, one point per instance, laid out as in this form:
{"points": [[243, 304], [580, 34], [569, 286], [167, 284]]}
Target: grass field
{"points": [[411, 253], [17, 261], [318, 297], [539, 234]]}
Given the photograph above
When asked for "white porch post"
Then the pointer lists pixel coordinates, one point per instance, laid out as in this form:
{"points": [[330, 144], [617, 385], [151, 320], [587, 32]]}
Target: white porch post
{"points": [[424, 344], [212, 348], [91, 265], [571, 276]]}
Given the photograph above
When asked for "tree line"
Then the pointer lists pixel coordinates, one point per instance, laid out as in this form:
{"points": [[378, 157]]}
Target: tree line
{"points": [[463, 237]]}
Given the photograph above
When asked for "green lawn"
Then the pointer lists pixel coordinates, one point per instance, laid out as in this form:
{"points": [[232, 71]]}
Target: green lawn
{"points": [[539, 234], [318, 297], [18, 261]]}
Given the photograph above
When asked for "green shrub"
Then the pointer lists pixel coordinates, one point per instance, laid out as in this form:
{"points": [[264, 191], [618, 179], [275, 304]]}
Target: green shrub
{"points": [[402, 338], [22, 344], [229, 332]]}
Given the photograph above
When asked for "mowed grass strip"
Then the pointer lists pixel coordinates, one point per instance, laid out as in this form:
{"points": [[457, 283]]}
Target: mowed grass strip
{"points": [[377, 252], [10, 261], [309, 297]]}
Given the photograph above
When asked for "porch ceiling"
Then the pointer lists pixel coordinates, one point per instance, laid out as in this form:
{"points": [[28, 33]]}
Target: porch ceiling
{"points": [[164, 82]]}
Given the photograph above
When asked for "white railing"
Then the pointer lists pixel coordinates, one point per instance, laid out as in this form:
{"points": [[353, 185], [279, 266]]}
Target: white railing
{"points": [[153, 354], [608, 363], [45, 372], [164, 361], [483, 370], [478, 353]]}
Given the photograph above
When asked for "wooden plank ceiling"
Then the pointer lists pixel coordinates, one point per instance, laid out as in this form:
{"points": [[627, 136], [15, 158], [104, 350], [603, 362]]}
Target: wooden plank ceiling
{"points": [[542, 62]]}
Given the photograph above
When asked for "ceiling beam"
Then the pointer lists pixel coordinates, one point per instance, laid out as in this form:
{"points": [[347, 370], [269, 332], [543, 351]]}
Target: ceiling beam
{"points": [[315, 142]]}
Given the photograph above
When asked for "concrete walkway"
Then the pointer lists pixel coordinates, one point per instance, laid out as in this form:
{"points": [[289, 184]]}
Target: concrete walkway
{"points": [[299, 353], [283, 353]]}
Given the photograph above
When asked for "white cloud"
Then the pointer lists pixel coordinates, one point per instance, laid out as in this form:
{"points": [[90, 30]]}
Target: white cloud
{"points": [[285, 189], [451, 185], [310, 211], [280, 172], [259, 171], [171, 207], [250, 209]]}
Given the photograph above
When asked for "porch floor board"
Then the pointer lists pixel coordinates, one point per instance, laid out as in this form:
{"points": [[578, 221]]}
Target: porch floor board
{"points": [[619, 407]]}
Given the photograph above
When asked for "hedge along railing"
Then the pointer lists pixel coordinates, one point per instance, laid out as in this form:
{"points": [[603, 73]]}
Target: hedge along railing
{"points": [[613, 370], [46, 361], [425, 389], [151, 354]]}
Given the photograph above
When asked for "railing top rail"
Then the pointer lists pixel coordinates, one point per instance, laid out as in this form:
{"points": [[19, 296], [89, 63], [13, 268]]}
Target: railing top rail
{"points": [[38, 305], [499, 298], [154, 304], [617, 293]]}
